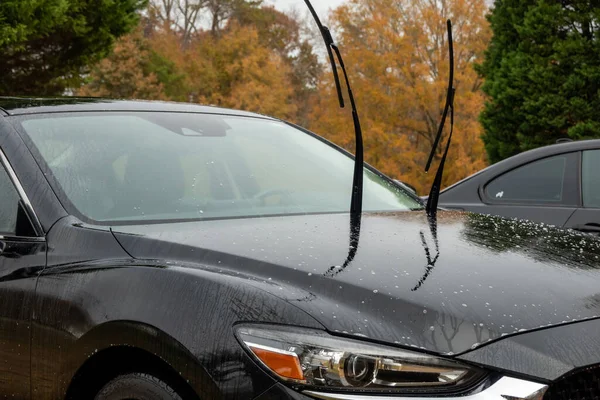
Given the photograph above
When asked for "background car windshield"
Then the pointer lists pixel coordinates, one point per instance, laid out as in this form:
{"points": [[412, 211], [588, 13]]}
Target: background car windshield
{"points": [[170, 166]]}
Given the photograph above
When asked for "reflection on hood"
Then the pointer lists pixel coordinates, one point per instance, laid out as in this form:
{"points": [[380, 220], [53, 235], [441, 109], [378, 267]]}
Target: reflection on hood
{"points": [[446, 286]]}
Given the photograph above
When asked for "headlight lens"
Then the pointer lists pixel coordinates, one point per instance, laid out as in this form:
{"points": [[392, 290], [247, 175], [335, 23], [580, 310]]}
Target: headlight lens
{"points": [[312, 358]]}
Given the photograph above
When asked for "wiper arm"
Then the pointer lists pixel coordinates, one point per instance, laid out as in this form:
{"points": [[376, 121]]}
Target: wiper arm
{"points": [[328, 39], [434, 193], [357, 182]]}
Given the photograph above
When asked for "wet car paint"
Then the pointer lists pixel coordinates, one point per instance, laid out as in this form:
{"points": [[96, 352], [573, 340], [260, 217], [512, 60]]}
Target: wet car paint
{"points": [[280, 392], [192, 315], [175, 291], [24, 106], [20, 263], [487, 278], [546, 353]]}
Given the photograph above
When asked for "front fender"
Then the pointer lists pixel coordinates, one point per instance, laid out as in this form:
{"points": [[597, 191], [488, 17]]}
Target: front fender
{"points": [[132, 334], [185, 315]]}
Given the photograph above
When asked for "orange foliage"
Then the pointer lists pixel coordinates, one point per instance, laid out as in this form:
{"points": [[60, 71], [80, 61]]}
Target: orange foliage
{"points": [[249, 75], [234, 70], [396, 51], [123, 75]]}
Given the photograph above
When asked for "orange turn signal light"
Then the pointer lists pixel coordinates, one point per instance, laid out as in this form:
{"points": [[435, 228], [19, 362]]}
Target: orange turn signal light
{"points": [[284, 363]]}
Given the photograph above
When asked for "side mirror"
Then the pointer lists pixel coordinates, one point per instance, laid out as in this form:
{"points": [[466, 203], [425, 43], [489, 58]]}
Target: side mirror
{"points": [[406, 186]]}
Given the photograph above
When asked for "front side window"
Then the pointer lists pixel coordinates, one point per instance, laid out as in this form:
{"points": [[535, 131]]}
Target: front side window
{"points": [[590, 178], [537, 182], [9, 204], [167, 166]]}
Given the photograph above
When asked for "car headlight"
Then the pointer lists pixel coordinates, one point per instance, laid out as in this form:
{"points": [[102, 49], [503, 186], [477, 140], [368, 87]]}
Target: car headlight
{"points": [[314, 359]]}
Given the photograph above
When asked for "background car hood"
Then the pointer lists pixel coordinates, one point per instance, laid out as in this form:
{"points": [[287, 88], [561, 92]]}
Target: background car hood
{"points": [[447, 287]]}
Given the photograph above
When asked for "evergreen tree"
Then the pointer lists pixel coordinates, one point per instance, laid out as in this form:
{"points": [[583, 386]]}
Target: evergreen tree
{"points": [[542, 72], [46, 45]]}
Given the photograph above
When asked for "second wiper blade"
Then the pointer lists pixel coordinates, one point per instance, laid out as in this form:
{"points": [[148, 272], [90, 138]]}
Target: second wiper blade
{"points": [[434, 193], [449, 98]]}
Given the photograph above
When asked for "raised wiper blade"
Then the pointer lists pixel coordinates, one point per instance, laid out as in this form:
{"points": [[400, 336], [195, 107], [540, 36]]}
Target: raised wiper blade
{"points": [[434, 193], [328, 39], [448, 98], [357, 183]]}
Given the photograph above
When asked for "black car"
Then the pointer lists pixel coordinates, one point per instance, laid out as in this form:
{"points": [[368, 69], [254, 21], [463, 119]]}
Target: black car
{"points": [[556, 185], [171, 251]]}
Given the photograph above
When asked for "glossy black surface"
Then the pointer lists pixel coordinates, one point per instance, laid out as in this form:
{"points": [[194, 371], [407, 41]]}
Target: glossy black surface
{"points": [[473, 287], [546, 353], [21, 106], [469, 194], [88, 307], [86, 301], [280, 392], [20, 262]]}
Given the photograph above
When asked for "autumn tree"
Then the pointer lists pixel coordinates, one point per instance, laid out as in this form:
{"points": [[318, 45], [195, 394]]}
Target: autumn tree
{"points": [[396, 53], [233, 70], [184, 16], [282, 33], [47, 45], [223, 10], [187, 17], [126, 74], [542, 73]]}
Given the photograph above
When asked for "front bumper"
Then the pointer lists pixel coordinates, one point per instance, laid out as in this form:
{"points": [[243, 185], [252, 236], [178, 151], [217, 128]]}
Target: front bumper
{"points": [[504, 389]]}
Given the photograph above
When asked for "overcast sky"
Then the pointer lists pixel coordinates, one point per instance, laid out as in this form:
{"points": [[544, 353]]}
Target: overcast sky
{"points": [[322, 6]]}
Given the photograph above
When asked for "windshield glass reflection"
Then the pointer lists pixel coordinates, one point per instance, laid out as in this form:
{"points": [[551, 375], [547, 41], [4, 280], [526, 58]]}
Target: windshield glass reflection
{"points": [[127, 167]]}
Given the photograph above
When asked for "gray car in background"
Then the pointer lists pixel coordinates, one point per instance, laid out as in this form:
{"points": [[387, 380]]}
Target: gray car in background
{"points": [[556, 185]]}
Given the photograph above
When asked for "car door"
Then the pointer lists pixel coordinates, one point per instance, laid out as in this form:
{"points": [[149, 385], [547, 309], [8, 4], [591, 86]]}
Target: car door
{"points": [[22, 257], [587, 218], [544, 191]]}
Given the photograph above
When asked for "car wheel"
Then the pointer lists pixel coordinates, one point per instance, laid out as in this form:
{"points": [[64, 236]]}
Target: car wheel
{"points": [[137, 386]]}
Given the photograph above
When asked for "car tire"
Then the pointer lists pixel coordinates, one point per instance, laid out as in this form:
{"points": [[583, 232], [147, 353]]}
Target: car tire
{"points": [[137, 386]]}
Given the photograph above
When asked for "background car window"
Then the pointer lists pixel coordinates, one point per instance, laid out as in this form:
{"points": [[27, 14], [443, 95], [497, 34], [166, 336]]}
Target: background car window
{"points": [[591, 178], [166, 166], [539, 182], [9, 203]]}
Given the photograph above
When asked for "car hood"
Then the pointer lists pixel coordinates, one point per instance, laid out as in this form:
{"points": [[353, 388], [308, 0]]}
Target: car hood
{"points": [[447, 286]]}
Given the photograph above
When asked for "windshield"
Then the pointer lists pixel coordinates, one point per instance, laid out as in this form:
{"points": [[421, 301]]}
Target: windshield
{"points": [[119, 167]]}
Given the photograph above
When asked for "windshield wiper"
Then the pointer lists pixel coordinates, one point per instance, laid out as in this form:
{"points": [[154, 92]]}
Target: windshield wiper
{"points": [[357, 182], [434, 193]]}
